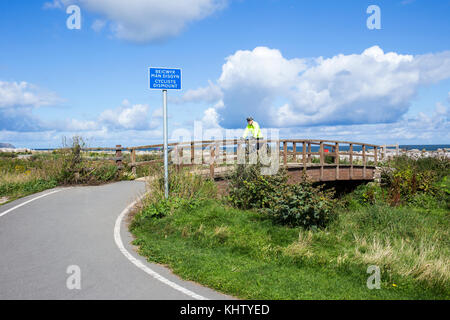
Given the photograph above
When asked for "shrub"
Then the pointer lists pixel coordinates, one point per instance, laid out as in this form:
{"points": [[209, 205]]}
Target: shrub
{"points": [[439, 165], [8, 155], [368, 194], [72, 162], [249, 189], [295, 205], [165, 207], [104, 173], [408, 177], [302, 205]]}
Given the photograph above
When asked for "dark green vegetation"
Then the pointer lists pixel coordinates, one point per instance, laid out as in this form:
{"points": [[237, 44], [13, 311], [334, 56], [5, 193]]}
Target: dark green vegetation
{"points": [[269, 240], [66, 166]]}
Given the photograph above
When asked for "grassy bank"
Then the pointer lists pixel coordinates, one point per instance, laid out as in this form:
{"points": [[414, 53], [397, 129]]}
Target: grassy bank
{"points": [[20, 177], [252, 254]]}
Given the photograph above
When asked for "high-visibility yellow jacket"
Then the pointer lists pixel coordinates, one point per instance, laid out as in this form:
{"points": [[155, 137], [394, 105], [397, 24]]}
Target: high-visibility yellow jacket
{"points": [[253, 129]]}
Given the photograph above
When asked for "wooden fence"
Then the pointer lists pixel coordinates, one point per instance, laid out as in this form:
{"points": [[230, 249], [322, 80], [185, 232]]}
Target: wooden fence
{"points": [[294, 153]]}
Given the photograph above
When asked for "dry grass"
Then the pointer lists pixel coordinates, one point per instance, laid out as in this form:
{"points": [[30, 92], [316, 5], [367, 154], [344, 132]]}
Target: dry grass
{"points": [[423, 261], [300, 248]]}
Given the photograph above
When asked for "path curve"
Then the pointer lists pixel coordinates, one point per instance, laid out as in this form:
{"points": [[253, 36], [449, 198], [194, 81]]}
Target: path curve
{"points": [[42, 235]]}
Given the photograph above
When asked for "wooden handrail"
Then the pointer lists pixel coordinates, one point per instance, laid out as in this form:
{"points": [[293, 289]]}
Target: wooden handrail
{"points": [[219, 152]]}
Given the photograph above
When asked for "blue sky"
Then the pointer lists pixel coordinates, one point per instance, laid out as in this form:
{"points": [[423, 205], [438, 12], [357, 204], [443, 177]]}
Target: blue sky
{"points": [[378, 86]]}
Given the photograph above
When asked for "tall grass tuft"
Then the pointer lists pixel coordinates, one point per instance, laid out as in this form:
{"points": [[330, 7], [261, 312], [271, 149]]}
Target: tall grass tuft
{"points": [[186, 191]]}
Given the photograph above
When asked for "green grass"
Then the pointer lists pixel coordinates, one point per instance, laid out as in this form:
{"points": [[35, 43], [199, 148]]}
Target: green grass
{"points": [[42, 171], [244, 254]]}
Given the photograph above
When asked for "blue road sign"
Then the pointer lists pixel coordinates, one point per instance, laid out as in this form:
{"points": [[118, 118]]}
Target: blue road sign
{"points": [[165, 79]]}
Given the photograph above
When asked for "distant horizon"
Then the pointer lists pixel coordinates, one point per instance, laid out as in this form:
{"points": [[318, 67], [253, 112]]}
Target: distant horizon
{"points": [[437, 146]]}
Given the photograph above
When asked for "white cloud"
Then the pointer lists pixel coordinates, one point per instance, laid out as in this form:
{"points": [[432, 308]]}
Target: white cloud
{"points": [[98, 25], [126, 117], [146, 20], [23, 94], [208, 94], [371, 87], [55, 4], [17, 101], [210, 119]]}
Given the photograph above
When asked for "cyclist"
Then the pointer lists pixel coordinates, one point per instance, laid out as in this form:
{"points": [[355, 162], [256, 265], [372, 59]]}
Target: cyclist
{"points": [[253, 129]]}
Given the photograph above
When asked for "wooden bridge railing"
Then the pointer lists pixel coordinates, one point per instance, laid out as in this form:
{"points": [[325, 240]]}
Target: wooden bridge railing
{"points": [[294, 153]]}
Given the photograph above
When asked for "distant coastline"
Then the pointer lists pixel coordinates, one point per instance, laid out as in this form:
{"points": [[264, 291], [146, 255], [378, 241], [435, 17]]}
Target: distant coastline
{"points": [[427, 147]]}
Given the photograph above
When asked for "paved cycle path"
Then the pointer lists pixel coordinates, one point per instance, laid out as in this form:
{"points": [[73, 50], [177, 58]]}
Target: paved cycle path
{"points": [[42, 235]]}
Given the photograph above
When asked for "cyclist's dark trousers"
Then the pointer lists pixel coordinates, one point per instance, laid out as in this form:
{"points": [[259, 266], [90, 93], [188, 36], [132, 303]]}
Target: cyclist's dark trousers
{"points": [[258, 144]]}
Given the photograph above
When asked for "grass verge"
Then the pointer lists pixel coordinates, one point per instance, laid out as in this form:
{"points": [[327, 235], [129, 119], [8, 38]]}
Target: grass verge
{"points": [[249, 254], [244, 254]]}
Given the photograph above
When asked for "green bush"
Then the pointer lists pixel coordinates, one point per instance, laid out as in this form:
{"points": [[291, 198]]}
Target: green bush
{"points": [[439, 165], [72, 161], [104, 173], [302, 205], [8, 155], [408, 179], [295, 205], [249, 189], [166, 207]]}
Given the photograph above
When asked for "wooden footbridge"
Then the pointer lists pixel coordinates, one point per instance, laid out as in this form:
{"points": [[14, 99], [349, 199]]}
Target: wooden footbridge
{"points": [[321, 160]]}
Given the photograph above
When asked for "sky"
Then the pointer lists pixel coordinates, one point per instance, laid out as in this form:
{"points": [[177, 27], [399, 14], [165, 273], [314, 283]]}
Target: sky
{"points": [[302, 68]]}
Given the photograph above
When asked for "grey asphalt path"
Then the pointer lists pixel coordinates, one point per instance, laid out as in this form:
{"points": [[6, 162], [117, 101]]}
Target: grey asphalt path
{"points": [[75, 226]]}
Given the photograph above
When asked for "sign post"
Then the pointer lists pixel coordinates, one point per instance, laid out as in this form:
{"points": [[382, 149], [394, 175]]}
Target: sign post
{"points": [[165, 79]]}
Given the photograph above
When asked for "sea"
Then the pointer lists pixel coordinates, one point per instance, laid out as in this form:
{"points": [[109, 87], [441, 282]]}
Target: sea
{"points": [[427, 147]]}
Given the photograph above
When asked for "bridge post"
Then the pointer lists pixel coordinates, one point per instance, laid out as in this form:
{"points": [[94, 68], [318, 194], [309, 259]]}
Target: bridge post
{"points": [[119, 156], [309, 152], [192, 152], [364, 160], [350, 150], [176, 154], [321, 160], [304, 155], [212, 160], [294, 148], [336, 159], [240, 152], [375, 155]]}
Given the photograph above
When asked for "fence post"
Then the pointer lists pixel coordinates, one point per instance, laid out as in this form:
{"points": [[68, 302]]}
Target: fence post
{"points": [[336, 159], [304, 155], [133, 161], [285, 153], [364, 160], [294, 148], [375, 155], [309, 152], [192, 152], [211, 161], [350, 150], [119, 156], [321, 160]]}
